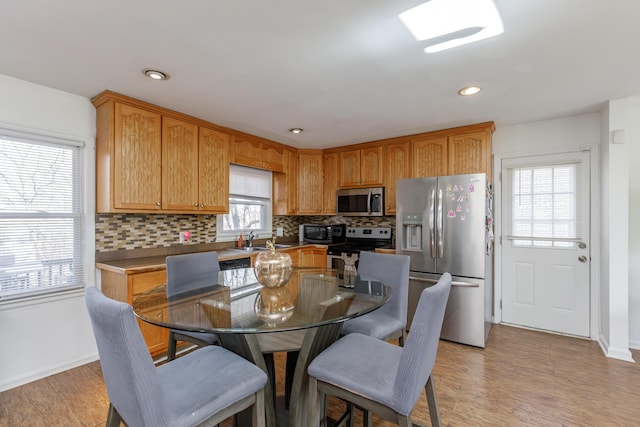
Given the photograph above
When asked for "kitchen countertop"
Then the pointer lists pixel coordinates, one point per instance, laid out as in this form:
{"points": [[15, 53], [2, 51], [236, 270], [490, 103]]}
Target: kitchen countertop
{"points": [[158, 262]]}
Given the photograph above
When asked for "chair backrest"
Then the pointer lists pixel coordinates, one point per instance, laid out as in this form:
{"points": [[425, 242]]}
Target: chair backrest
{"points": [[419, 353], [132, 382], [191, 271], [393, 270]]}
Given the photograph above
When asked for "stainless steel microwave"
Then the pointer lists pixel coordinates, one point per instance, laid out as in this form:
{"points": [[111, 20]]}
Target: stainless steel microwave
{"points": [[360, 201], [324, 233]]}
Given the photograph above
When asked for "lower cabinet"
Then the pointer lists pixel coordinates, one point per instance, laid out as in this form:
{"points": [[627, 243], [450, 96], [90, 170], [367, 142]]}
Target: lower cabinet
{"points": [[125, 287], [313, 257]]}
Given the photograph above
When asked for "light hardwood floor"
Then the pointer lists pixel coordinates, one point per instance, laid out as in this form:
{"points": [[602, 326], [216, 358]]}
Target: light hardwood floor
{"points": [[522, 378]]}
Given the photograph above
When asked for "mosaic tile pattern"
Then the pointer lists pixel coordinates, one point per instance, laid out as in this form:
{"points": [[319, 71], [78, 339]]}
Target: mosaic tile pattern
{"points": [[146, 231]]}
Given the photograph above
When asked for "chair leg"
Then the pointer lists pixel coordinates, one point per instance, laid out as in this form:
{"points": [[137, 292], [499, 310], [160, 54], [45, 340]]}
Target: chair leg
{"points": [[316, 410], [402, 338], [171, 350], [367, 418], [257, 410], [432, 401], [113, 417]]}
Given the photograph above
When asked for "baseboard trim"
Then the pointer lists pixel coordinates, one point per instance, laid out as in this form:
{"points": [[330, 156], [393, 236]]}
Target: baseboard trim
{"points": [[615, 353], [45, 372]]}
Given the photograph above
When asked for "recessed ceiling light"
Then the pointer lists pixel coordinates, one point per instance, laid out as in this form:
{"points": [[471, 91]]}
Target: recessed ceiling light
{"points": [[469, 90], [296, 130], [452, 23], [155, 74]]}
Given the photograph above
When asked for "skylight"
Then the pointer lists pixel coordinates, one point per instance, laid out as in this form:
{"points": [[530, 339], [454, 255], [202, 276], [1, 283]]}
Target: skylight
{"points": [[451, 23]]}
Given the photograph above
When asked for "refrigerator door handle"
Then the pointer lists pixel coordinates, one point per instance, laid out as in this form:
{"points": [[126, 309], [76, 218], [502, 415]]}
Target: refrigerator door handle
{"points": [[454, 283], [439, 227], [432, 229]]}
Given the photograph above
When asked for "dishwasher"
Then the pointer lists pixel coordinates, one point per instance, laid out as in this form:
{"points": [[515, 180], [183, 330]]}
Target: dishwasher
{"points": [[230, 264]]}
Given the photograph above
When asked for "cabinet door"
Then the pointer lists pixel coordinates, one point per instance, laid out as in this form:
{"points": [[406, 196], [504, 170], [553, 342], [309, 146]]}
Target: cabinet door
{"points": [[293, 204], [213, 171], [470, 153], [397, 165], [329, 183], [313, 257], [137, 178], [430, 157], [309, 183], [349, 168], [179, 165], [371, 166]]}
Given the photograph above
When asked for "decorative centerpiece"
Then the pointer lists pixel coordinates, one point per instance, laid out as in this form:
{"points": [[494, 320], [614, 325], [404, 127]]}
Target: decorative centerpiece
{"points": [[272, 268], [274, 305]]}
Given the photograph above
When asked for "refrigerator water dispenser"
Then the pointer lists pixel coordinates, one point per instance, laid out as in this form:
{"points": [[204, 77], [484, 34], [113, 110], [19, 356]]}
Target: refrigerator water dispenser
{"points": [[412, 232]]}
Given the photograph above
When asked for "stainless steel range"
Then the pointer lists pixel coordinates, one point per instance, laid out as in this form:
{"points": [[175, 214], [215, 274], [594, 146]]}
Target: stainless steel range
{"points": [[358, 239]]}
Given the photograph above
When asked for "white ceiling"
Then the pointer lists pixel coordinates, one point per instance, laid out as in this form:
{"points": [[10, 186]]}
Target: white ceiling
{"points": [[346, 71]]}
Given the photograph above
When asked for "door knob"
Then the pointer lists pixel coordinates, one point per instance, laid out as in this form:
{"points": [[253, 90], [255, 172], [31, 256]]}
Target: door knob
{"points": [[582, 258], [582, 245]]}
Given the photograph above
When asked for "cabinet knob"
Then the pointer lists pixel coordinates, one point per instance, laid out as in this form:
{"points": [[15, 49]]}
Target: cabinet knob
{"points": [[196, 205], [202, 205], [157, 203]]}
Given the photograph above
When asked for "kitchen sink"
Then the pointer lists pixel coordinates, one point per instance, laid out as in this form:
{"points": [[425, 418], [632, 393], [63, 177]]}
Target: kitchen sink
{"points": [[252, 249]]}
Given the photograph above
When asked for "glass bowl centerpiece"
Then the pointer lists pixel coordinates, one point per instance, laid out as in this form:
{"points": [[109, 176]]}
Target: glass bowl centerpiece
{"points": [[272, 268]]}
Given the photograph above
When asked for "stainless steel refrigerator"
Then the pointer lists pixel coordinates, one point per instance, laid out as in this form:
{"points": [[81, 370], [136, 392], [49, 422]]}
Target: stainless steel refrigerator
{"points": [[445, 224]]}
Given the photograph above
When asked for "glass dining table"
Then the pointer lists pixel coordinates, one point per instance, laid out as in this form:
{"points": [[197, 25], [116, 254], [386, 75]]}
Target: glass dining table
{"points": [[304, 315]]}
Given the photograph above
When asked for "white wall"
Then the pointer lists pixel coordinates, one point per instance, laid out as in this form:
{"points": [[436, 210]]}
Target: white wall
{"points": [[608, 320], [44, 336], [633, 141]]}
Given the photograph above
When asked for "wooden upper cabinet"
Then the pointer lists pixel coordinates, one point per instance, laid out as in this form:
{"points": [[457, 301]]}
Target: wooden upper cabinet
{"points": [[136, 150], [470, 153], [179, 165], [329, 182], [360, 167], [430, 157], [213, 170], [454, 151], [397, 165], [310, 182], [258, 154], [285, 186]]}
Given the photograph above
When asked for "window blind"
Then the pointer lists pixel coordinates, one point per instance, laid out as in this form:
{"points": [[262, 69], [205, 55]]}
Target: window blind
{"points": [[545, 204], [41, 218]]}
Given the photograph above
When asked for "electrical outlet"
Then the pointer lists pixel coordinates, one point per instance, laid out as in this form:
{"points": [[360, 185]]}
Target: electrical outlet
{"points": [[279, 232], [182, 237]]}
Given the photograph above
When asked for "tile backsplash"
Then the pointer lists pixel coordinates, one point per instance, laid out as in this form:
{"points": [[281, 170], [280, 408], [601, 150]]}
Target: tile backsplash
{"points": [[125, 232]]}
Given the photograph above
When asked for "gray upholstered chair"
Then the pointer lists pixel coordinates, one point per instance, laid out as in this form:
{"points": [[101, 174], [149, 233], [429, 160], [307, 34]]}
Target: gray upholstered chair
{"points": [[389, 321], [379, 376], [184, 273], [204, 387]]}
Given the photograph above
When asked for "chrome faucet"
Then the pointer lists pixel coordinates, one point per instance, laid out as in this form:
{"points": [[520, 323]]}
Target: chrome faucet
{"points": [[250, 238]]}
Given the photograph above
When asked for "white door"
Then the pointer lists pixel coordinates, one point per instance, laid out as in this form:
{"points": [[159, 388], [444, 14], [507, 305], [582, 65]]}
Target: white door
{"points": [[545, 242]]}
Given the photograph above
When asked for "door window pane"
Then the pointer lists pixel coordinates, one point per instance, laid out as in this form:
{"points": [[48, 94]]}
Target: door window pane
{"points": [[544, 205]]}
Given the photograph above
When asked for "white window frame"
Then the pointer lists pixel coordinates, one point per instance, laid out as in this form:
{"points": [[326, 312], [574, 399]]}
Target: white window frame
{"points": [[266, 231], [82, 223]]}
